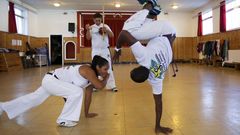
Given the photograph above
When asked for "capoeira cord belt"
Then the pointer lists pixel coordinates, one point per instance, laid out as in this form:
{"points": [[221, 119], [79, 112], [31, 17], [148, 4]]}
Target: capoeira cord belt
{"points": [[49, 73]]}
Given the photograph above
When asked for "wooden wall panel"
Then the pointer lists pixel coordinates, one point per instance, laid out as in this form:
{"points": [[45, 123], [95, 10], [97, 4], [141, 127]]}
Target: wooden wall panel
{"points": [[3, 39], [6, 41], [195, 54], [85, 55], [183, 48], [38, 42], [9, 39], [232, 36], [74, 39], [66, 39]]}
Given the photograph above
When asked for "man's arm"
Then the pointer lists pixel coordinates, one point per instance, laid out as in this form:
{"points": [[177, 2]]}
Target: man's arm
{"points": [[88, 34], [124, 38], [88, 73], [87, 102], [106, 29], [109, 32]]}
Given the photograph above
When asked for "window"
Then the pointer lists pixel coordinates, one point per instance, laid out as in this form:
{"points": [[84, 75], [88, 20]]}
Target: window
{"points": [[21, 20], [232, 14], [207, 23]]}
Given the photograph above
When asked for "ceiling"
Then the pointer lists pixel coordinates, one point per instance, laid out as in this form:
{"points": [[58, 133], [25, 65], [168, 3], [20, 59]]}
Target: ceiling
{"points": [[184, 5]]}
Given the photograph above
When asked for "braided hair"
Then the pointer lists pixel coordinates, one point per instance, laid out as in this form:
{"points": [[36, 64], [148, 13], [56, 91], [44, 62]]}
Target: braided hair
{"points": [[98, 61]]}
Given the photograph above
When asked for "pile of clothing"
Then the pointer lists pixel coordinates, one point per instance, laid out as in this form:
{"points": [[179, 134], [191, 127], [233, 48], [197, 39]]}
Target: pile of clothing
{"points": [[213, 48]]}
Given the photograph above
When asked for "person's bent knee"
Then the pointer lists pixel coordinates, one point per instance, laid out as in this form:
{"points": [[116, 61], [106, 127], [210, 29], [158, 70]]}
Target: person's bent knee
{"points": [[126, 38]]}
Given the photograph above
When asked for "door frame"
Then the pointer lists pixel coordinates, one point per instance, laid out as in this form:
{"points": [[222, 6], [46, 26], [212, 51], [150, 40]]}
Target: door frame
{"points": [[50, 46], [75, 50]]}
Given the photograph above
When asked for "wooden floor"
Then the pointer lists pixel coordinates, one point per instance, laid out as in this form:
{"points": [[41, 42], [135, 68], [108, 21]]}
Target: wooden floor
{"points": [[202, 100]]}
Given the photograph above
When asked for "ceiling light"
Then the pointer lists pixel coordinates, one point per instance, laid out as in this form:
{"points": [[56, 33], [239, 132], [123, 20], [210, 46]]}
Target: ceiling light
{"points": [[117, 5], [57, 4], [175, 6]]}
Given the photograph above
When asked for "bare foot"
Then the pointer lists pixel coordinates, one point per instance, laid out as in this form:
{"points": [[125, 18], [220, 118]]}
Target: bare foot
{"points": [[91, 115], [164, 130]]}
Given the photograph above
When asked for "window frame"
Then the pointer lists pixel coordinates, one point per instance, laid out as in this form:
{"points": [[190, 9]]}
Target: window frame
{"points": [[229, 10], [24, 17], [205, 19]]}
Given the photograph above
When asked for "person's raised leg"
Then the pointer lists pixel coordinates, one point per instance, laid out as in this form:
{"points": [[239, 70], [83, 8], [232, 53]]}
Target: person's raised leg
{"points": [[142, 29], [137, 19], [125, 38]]}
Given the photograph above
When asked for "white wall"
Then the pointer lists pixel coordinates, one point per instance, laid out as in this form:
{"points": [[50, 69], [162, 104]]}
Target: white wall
{"points": [[55, 22], [4, 15], [181, 21], [43, 23], [32, 23], [194, 22]]}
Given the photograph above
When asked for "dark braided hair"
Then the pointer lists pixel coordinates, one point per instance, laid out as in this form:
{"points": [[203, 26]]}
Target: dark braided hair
{"points": [[98, 61]]}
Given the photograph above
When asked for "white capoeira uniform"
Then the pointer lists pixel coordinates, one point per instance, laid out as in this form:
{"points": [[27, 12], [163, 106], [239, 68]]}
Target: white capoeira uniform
{"points": [[143, 28], [65, 82], [100, 46], [157, 55]]}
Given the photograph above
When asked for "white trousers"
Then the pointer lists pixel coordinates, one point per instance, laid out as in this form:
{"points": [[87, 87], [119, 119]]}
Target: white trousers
{"points": [[50, 86], [146, 30], [105, 53]]}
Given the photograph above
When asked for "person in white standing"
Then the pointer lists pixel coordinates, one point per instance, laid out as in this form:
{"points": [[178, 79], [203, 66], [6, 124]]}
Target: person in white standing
{"points": [[155, 57], [99, 34], [67, 82]]}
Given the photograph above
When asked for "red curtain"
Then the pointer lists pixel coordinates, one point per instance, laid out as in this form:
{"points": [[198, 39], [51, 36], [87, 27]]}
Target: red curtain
{"points": [[86, 19], [12, 26], [222, 16], [200, 27], [114, 22]]}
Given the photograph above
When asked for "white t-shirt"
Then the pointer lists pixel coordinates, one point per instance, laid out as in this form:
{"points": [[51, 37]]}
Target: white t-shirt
{"points": [[166, 27], [156, 56], [71, 74], [98, 41]]}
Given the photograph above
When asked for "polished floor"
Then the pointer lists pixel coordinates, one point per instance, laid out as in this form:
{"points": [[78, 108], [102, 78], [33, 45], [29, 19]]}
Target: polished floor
{"points": [[201, 100]]}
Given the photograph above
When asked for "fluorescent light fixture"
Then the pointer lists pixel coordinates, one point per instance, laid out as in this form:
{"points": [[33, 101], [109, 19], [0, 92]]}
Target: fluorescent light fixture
{"points": [[175, 6], [57, 4], [117, 5]]}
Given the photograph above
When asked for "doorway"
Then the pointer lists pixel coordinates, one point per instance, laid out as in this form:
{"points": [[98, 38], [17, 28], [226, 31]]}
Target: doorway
{"points": [[56, 49]]}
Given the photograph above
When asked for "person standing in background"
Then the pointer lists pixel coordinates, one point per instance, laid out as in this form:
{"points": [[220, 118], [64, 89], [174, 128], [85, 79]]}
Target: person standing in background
{"points": [[99, 34]]}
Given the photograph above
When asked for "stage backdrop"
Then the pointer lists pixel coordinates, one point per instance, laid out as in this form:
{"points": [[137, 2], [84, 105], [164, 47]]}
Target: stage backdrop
{"points": [[114, 20]]}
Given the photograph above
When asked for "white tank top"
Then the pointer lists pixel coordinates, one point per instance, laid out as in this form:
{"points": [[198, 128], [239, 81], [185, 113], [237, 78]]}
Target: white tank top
{"points": [[71, 74]]}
